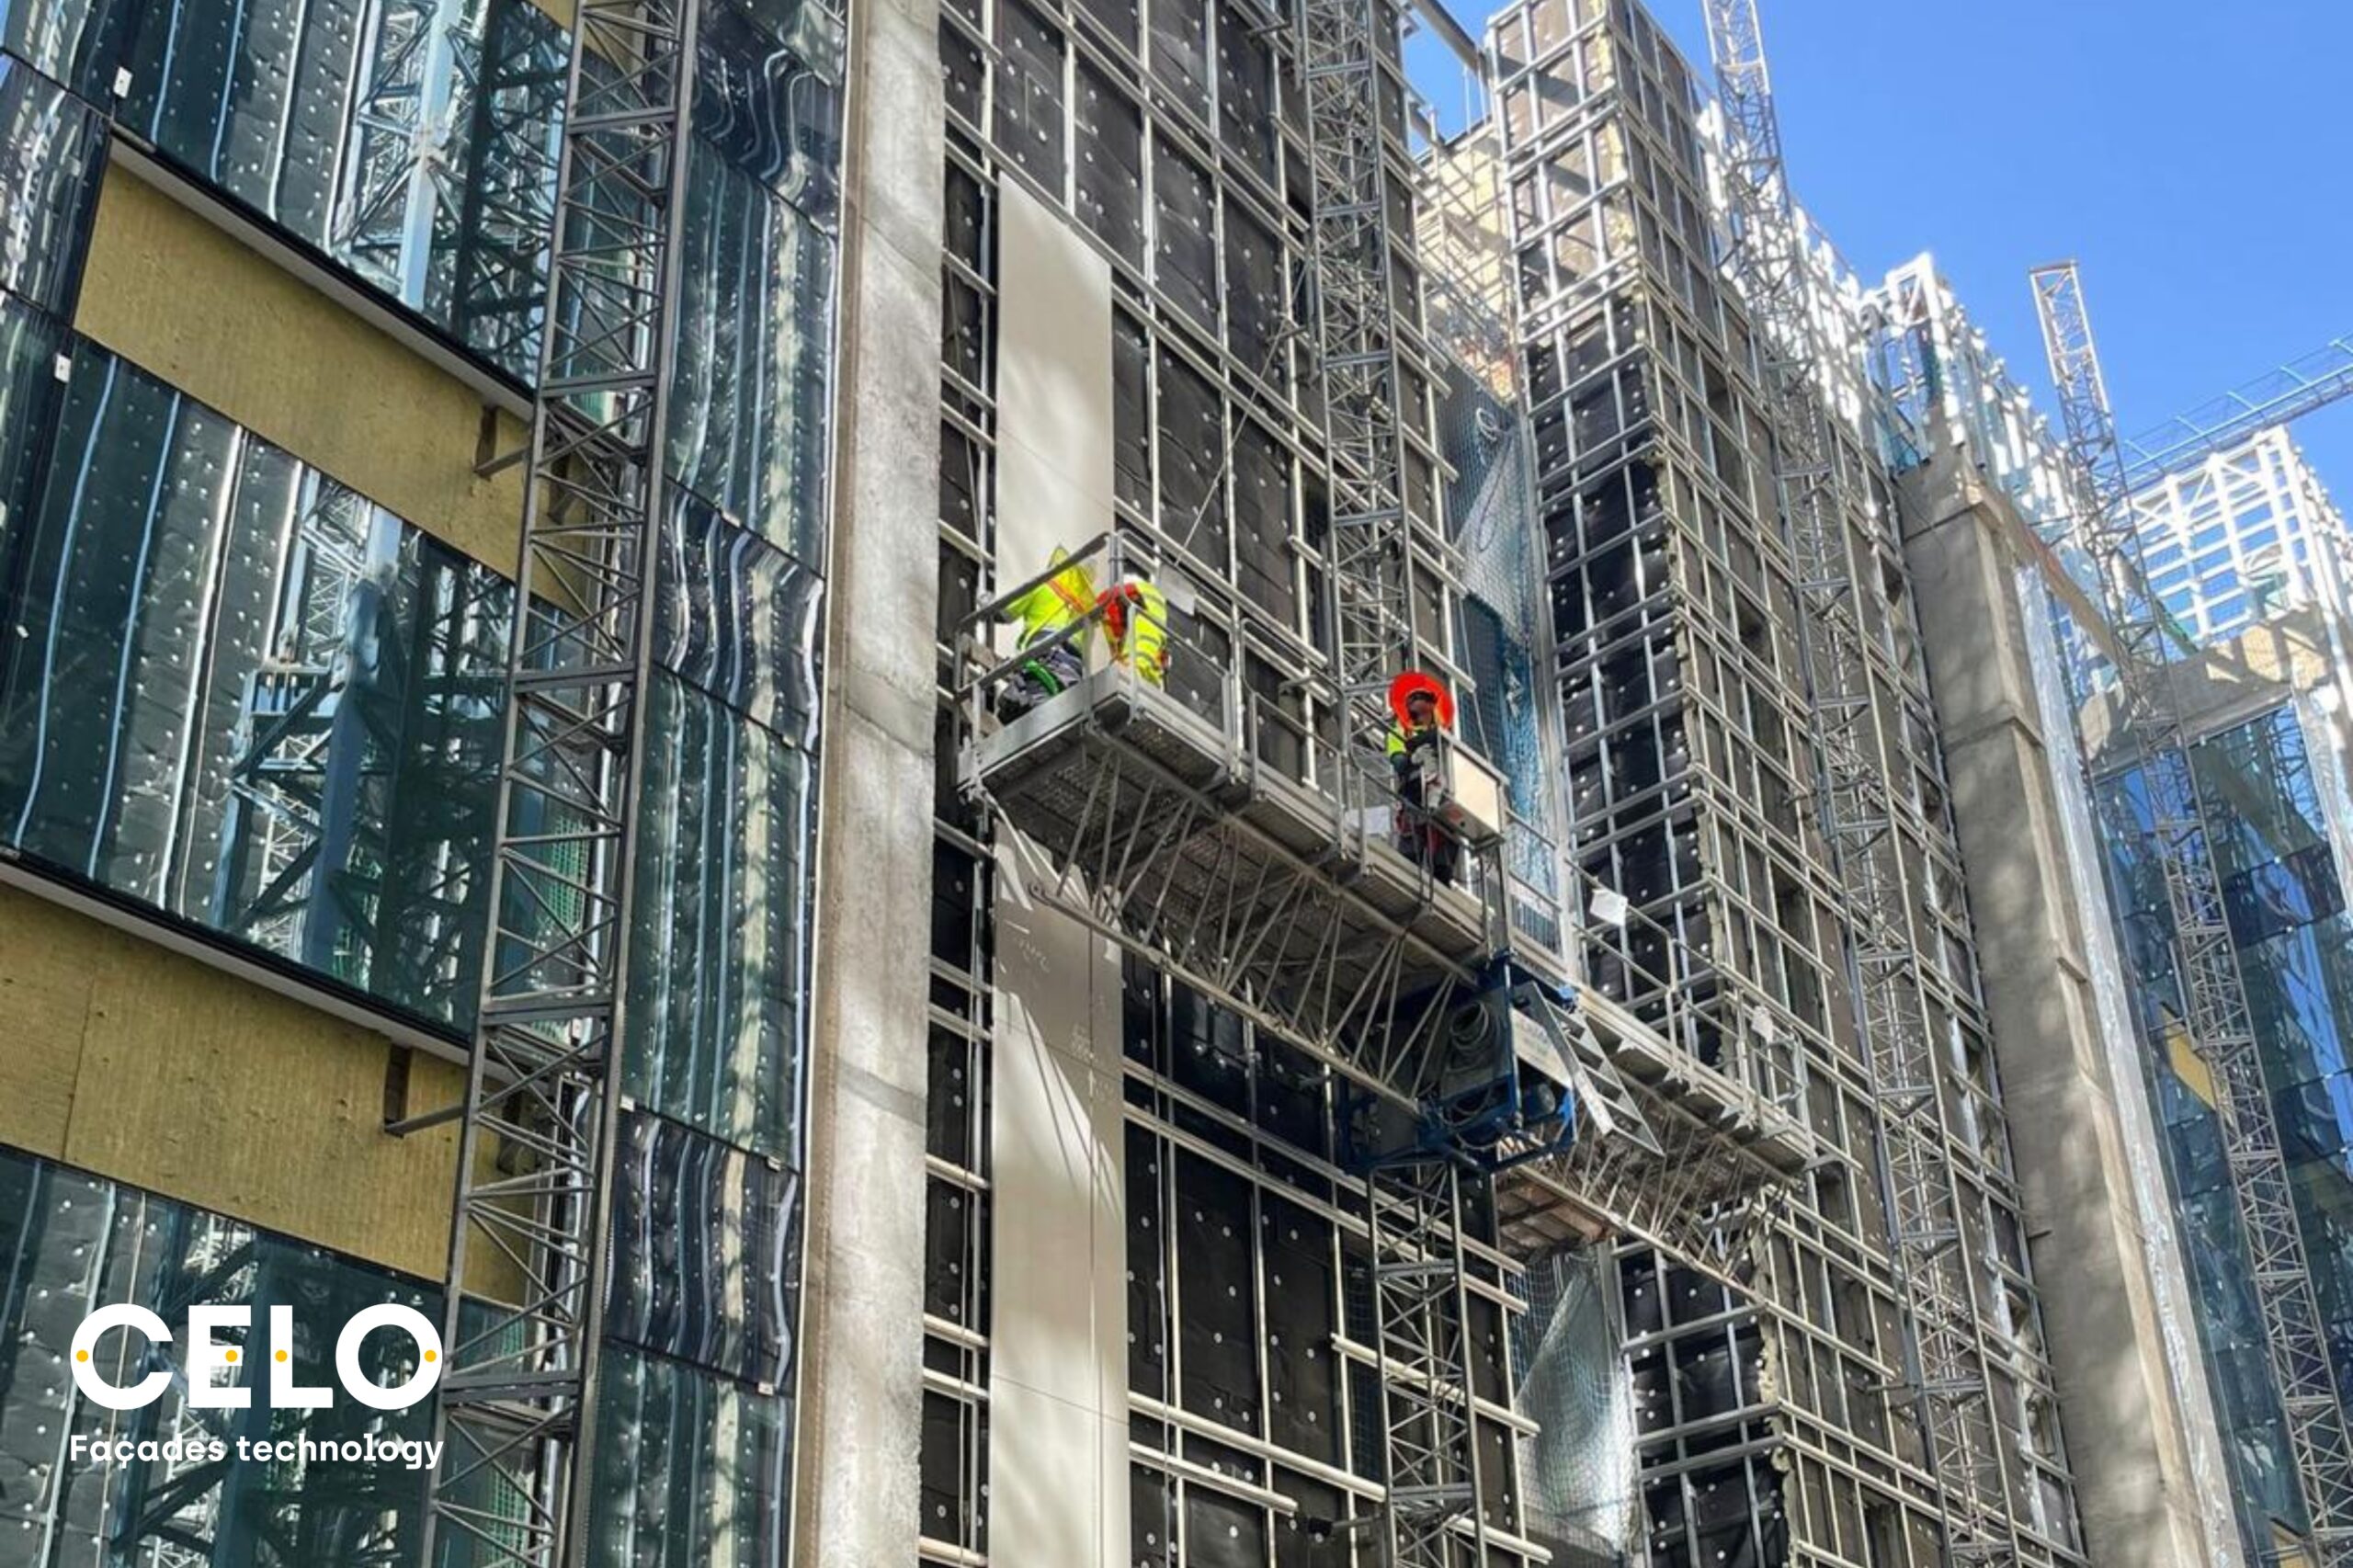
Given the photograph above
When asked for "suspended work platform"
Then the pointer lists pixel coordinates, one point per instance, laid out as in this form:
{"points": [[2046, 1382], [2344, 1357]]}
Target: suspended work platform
{"points": [[1168, 832], [1719, 1147], [1274, 867]]}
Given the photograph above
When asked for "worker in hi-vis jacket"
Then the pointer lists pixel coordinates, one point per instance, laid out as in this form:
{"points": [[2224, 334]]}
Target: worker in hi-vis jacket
{"points": [[1423, 709], [1045, 612]]}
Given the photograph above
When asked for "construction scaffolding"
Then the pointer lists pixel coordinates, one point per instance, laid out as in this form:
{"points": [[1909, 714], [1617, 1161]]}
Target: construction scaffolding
{"points": [[1945, 1360], [2213, 1003]]}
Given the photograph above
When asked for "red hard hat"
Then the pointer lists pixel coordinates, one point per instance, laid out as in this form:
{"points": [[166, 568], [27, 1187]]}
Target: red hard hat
{"points": [[1417, 683]]}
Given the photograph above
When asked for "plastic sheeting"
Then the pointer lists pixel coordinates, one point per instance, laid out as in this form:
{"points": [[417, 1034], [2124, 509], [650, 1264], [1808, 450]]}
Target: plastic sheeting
{"points": [[1493, 519]]}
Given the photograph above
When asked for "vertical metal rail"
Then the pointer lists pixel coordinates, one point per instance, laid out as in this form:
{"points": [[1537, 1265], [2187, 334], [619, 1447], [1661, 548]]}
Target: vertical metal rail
{"points": [[1420, 1303], [525, 1309], [2213, 994], [1357, 339], [1945, 1356], [1431, 1462]]}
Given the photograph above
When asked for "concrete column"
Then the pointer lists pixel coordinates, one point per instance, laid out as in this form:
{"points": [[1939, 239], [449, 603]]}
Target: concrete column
{"points": [[2147, 1460], [861, 1347]]}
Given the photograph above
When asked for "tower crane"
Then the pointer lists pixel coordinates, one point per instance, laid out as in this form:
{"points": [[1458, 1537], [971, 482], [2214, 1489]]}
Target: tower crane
{"points": [[2280, 396]]}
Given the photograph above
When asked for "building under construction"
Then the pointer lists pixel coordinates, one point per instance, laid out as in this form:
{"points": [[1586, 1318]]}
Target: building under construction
{"points": [[710, 688]]}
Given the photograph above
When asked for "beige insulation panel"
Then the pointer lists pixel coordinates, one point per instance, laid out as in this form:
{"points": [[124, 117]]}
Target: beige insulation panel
{"points": [[1058, 1351]]}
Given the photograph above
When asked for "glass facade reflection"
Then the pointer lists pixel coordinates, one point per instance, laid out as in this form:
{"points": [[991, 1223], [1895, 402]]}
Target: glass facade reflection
{"points": [[243, 695], [71, 1241], [244, 699], [2284, 891]]}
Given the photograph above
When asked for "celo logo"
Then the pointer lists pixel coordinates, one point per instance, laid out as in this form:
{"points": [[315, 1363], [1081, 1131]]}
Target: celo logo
{"points": [[207, 1358]]}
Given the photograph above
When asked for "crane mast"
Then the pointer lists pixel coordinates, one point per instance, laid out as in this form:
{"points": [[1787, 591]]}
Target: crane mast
{"points": [[524, 1314]]}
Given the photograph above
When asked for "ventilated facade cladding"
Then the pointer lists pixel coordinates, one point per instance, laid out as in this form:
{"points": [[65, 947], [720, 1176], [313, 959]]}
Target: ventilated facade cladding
{"points": [[253, 704], [1776, 1425], [1170, 133]]}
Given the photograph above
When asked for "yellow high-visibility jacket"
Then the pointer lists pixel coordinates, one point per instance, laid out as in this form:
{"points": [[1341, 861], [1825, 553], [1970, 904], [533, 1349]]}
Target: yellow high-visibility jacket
{"points": [[1054, 603], [1395, 746]]}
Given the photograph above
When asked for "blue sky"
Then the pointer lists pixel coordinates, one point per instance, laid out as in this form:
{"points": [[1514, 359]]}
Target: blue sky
{"points": [[2196, 157]]}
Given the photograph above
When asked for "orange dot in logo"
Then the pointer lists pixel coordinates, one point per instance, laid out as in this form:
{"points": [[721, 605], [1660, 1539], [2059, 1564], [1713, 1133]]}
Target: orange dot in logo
{"points": [[433, 1355], [229, 1356], [281, 1355], [81, 1355]]}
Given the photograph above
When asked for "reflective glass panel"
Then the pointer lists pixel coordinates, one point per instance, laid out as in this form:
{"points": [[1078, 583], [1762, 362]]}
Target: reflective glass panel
{"points": [[72, 41], [411, 141], [706, 1248], [246, 696], [748, 425], [69, 1241], [768, 97], [691, 1469], [53, 148], [719, 944], [739, 619]]}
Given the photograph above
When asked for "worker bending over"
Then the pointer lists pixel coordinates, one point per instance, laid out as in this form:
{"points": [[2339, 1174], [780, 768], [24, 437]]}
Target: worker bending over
{"points": [[1060, 603], [1422, 708]]}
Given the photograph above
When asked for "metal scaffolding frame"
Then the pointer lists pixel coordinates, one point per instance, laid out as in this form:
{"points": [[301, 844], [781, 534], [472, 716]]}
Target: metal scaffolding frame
{"points": [[1240, 840], [1431, 1465], [1944, 1358], [2215, 1014], [1340, 62], [1420, 1296], [540, 1113]]}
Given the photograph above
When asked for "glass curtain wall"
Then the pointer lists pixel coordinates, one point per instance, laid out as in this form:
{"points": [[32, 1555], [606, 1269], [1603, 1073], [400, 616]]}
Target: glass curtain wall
{"points": [[70, 1243], [2284, 893], [252, 703]]}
